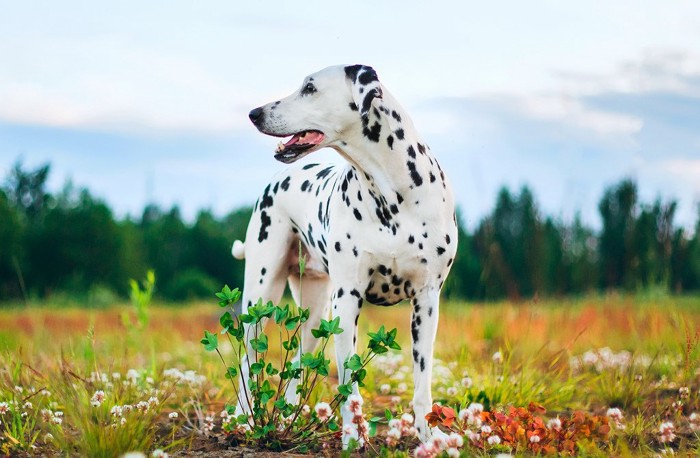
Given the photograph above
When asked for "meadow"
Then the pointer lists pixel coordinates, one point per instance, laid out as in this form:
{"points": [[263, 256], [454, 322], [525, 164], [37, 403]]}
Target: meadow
{"points": [[612, 375]]}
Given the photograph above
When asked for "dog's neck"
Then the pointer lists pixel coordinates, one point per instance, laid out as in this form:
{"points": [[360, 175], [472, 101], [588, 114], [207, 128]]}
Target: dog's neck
{"points": [[398, 165]]}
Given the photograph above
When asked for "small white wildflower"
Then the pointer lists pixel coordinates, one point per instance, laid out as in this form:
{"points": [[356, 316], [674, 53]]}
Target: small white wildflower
{"points": [[684, 392], [455, 440], [393, 436], [158, 453], [323, 411], [494, 440], [58, 413], [694, 419], [452, 391], [19, 389], [116, 411], [667, 432], [354, 404], [534, 439], [149, 380], [116, 375], [97, 398], [305, 409], [554, 423], [153, 401], [467, 382], [497, 357], [122, 421], [48, 437], [476, 408], [486, 429], [173, 415], [385, 388], [27, 405], [452, 452], [133, 455], [56, 420], [401, 388]]}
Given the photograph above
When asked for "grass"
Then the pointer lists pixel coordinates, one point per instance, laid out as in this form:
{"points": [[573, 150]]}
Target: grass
{"points": [[587, 354]]}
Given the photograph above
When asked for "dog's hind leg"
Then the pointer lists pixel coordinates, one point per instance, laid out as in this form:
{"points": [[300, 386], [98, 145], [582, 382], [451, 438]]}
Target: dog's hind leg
{"points": [[424, 322], [314, 293], [266, 273]]}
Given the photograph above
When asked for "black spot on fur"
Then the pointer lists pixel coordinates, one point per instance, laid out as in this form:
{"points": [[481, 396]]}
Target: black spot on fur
{"points": [[399, 134], [395, 115], [432, 177], [340, 293], [440, 250], [266, 199], [337, 246], [447, 238], [368, 76], [351, 72], [415, 176], [308, 166], [373, 133], [353, 106], [265, 222], [305, 185], [411, 152], [358, 215], [399, 198], [390, 141], [422, 364], [285, 184], [411, 239], [263, 271]]}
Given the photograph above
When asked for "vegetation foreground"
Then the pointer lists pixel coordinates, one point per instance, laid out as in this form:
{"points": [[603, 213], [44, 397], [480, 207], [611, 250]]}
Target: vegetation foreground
{"points": [[611, 376]]}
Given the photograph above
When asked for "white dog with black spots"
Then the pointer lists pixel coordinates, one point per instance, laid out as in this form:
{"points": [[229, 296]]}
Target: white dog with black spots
{"points": [[379, 229]]}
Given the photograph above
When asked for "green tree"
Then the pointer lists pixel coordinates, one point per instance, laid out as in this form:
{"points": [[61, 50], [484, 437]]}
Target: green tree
{"points": [[618, 209]]}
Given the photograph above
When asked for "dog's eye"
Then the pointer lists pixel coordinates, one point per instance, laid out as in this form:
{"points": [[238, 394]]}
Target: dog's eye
{"points": [[308, 89]]}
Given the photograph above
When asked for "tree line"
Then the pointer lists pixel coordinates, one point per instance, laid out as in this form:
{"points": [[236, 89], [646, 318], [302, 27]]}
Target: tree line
{"points": [[70, 243]]}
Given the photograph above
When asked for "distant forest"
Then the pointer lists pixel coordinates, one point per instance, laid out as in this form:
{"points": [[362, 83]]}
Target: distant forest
{"points": [[70, 245]]}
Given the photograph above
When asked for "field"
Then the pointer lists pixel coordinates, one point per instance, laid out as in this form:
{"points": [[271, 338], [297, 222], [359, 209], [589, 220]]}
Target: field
{"points": [[63, 371]]}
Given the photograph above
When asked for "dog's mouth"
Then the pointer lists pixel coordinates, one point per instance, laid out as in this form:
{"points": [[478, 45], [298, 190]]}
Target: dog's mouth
{"points": [[300, 144]]}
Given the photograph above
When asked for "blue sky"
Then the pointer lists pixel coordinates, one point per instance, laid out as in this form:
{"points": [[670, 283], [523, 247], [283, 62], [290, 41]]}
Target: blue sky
{"points": [[142, 101]]}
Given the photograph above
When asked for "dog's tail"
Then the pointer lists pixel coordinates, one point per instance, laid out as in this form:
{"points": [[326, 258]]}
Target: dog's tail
{"points": [[238, 250]]}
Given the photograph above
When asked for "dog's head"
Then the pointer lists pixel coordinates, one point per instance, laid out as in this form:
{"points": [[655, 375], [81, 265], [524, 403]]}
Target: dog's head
{"points": [[329, 106]]}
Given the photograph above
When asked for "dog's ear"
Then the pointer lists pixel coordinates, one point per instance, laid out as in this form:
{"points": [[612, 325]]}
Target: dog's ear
{"points": [[365, 87]]}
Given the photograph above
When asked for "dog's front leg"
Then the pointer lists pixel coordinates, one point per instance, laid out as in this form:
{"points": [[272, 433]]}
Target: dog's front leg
{"points": [[346, 305], [424, 321]]}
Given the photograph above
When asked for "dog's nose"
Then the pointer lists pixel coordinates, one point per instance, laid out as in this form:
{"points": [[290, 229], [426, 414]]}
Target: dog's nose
{"points": [[256, 115]]}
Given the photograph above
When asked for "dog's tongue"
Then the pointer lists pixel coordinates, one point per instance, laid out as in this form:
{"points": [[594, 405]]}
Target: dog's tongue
{"points": [[305, 138]]}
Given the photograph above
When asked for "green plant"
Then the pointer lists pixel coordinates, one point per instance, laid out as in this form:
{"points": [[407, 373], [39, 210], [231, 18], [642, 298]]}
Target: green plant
{"points": [[140, 296], [275, 423]]}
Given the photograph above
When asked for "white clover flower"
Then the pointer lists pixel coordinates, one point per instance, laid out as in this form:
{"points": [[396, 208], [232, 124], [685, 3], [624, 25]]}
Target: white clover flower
{"points": [[149, 380], [455, 440], [132, 375], [497, 357], [452, 391], [694, 419], [395, 400], [467, 382], [19, 389], [473, 436], [116, 375], [486, 429], [56, 420], [323, 411], [158, 453], [494, 440], [394, 423], [142, 406], [152, 401], [58, 413], [354, 404], [452, 452], [534, 439], [385, 388], [122, 421], [684, 392], [393, 436], [476, 408], [97, 398], [116, 411], [554, 423], [133, 455], [614, 414], [174, 415], [27, 405], [305, 409], [401, 388], [667, 432]]}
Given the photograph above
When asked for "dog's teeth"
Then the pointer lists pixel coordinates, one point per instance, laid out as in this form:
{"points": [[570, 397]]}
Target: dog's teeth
{"points": [[280, 146]]}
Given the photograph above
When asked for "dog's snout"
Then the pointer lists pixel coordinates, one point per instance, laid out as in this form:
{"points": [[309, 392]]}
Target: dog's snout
{"points": [[256, 115]]}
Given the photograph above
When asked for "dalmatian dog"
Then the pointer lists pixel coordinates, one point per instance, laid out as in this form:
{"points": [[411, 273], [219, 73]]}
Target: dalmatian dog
{"points": [[379, 229]]}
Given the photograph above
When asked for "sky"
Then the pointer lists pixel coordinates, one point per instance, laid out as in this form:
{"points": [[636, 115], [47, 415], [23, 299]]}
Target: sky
{"points": [[147, 101]]}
